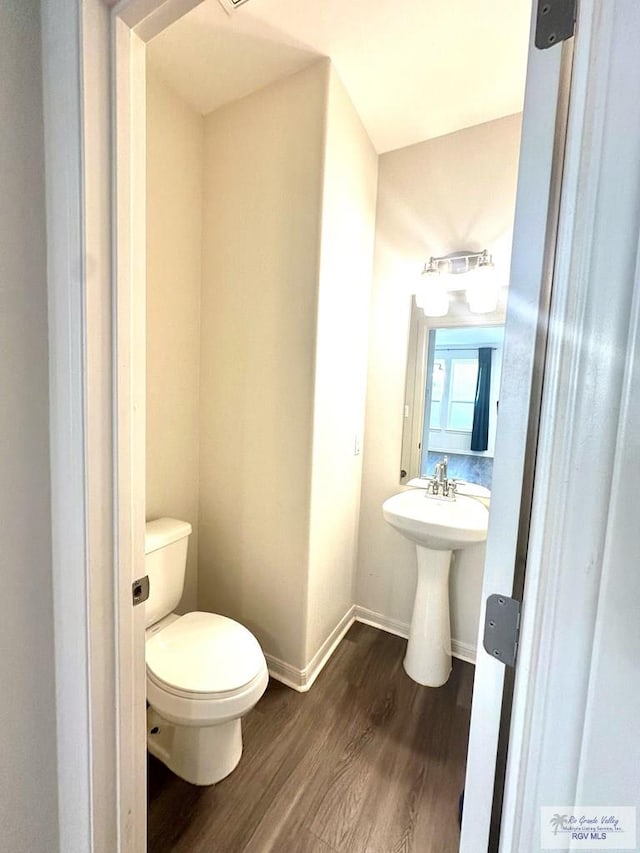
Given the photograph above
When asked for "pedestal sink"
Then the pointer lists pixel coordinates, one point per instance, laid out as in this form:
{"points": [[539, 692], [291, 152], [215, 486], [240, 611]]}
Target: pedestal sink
{"points": [[438, 527]]}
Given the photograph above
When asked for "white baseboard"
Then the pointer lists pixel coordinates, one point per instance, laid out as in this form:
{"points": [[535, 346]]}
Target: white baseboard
{"points": [[384, 623], [463, 651], [318, 661], [285, 673], [302, 679]]}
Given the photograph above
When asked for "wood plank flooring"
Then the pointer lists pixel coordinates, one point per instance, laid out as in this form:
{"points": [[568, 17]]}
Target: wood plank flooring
{"points": [[367, 761]]}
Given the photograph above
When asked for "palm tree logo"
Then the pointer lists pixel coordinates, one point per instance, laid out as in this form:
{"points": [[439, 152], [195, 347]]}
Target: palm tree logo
{"points": [[558, 821]]}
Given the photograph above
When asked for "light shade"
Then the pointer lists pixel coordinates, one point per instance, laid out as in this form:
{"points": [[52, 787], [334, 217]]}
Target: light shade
{"points": [[431, 295], [482, 289]]}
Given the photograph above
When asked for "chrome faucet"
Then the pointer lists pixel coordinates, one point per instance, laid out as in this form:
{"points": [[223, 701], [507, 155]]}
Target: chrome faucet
{"points": [[440, 473], [440, 484]]}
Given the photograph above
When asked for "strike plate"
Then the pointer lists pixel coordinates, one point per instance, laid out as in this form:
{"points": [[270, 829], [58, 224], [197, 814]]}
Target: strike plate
{"points": [[140, 590]]}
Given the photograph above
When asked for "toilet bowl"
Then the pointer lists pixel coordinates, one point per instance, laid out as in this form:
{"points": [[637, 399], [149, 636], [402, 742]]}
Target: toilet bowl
{"points": [[204, 671]]}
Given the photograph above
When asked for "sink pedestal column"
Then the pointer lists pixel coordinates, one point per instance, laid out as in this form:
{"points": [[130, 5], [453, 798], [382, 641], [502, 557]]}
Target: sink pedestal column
{"points": [[428, 657]]}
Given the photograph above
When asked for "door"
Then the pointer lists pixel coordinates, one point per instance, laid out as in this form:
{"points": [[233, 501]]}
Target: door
{"points": [[537, 205]]}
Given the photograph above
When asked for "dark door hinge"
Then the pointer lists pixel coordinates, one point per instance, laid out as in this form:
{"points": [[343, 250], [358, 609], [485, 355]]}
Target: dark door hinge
{"points": [[555, 22], [502, 628]]}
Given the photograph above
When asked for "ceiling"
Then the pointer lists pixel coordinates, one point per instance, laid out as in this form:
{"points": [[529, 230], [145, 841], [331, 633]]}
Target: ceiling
{"points": [[414, 70]]}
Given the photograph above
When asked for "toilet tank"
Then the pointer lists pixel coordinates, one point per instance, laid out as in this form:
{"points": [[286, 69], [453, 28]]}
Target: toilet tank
{"points": [[165, 546]]}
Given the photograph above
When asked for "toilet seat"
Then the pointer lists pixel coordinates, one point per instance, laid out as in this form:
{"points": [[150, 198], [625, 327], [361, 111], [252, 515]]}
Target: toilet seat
{"points": [[203, 697], [203, 654], [203, 668]]}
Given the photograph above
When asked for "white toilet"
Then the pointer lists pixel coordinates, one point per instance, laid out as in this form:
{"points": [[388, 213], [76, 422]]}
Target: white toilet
{"points": [[204, 671]]}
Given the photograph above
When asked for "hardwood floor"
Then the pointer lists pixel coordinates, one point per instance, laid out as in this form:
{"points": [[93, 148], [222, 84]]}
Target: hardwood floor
{"points": [[367, 761]]}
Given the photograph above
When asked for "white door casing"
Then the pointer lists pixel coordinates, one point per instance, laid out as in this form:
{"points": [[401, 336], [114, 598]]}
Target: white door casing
{"points": [[70, 491], [95, 187], [574, 735]]}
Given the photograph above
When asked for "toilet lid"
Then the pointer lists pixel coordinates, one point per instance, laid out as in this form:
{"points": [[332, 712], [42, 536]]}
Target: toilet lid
{"points": [[204, 653]]}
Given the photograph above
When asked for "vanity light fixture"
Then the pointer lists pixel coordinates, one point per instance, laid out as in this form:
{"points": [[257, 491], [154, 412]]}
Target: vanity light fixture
{"points": [[440, 276]]}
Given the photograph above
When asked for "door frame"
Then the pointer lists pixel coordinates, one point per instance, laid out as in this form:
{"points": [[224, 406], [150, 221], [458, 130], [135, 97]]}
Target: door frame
{"points": [[524, 371], [95, 227], [94, 81], [588, 416]]}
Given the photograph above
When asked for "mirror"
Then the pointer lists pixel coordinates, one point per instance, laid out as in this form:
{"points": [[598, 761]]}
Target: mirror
{"points": [[451, 405]]}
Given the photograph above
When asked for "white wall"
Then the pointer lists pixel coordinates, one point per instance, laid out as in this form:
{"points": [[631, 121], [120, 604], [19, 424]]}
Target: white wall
{"points": [[175, 173], [262, 214], [288, 252], [346, 263], [454, 192], [28, 801]]}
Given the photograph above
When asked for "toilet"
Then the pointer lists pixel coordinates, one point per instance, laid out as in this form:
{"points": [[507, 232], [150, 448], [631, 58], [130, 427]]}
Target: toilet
{"points": [[204, 671]]}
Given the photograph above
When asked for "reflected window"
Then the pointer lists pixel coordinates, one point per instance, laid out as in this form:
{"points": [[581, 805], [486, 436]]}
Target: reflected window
{"points": [[451, 370], [464, 375], [453, 390]]}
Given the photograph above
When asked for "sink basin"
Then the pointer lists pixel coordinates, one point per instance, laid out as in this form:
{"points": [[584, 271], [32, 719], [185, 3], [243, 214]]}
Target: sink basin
{"points": [[438, 527], [437, 524]]}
